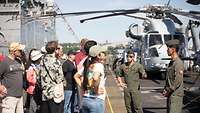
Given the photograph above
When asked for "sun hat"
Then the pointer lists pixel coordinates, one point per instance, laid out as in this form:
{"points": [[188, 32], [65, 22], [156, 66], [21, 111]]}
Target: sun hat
{"points": [[35, 55], [43, 49], [14, 46], [96, 49]]}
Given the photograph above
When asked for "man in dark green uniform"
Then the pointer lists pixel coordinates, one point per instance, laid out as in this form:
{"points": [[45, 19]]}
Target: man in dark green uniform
{"points": [[131, 71], [174, 80]]}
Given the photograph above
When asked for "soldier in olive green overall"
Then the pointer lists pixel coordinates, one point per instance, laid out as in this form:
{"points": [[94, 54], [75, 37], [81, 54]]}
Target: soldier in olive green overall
{"points": [[131, 71], [174, 79]]}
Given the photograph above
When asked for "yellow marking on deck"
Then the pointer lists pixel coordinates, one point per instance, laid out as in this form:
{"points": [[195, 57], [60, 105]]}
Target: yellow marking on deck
{"points": [[109, 103]]}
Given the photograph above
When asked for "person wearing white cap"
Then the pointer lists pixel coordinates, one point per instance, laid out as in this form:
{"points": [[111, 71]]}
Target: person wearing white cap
{"points": [[32, 76], [11, 72], [93, 84]]}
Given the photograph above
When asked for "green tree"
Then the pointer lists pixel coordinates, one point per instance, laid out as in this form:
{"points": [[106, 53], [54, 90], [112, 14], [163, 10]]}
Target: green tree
{"points": [[70, 46]]}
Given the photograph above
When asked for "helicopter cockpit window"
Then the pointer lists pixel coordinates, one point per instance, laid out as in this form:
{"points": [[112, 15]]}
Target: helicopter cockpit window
{"points": [[153, 52], [167, 37], [180, 38], [155, 39]]}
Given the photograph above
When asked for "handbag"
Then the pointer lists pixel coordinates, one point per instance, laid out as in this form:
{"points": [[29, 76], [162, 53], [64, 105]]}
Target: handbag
{"points": [[58, 92]]}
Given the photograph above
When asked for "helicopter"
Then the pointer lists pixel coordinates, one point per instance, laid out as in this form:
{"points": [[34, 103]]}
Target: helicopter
{"points": [[158, 27]]}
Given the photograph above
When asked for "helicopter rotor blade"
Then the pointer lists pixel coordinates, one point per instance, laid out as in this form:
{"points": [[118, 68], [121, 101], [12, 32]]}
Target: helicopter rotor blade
{"points": [[194, 12], [168, 3], [89, 12], [191, 14], [174, 18], [193, 2], [114, 14], [136, 17]]}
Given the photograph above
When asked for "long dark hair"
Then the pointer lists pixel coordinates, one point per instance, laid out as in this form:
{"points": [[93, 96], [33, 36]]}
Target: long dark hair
{"points": [[89, 61], [29, 57], [24, 59]]}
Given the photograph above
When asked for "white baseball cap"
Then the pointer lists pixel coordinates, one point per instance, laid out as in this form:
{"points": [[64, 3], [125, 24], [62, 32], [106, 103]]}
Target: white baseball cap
{"points": [[95, 50], [35, 55]]}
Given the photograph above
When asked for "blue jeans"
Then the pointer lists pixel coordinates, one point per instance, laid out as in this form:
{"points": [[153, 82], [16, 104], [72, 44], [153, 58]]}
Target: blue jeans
{"points": [[92, 105], [68, 101]]}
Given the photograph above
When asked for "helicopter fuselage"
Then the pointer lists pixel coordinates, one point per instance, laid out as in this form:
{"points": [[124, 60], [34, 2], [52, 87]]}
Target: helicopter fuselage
{"points": [[155, 33]]}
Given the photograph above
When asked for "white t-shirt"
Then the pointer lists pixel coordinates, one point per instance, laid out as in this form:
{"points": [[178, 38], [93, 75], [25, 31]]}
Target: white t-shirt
{"points": [[98, 68]]}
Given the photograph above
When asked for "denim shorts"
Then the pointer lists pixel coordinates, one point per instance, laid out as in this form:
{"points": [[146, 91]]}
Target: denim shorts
{"points": [[92, 105]]}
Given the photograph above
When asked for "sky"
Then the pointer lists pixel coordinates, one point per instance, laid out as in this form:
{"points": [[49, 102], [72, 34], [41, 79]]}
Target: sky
{"points": [[111, 29]]}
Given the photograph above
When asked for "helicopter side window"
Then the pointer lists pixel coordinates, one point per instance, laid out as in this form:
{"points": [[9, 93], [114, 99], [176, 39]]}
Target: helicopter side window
{"points": [[153, 52], [178, 37], [167, 37], [155, 40]]}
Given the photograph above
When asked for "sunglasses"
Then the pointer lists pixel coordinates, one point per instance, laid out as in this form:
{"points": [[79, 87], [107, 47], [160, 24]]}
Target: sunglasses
{"points": [[130, 56]]}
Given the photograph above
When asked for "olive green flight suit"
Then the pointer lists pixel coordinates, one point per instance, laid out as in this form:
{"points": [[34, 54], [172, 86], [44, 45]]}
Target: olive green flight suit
{"points": [[132, 94], [174, 83]]}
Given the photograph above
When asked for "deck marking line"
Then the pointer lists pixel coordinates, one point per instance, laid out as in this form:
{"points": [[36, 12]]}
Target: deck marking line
{"points": [[111, 109]]}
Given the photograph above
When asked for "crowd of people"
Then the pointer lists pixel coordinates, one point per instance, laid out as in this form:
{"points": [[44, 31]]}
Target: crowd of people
{"points": [[49, 81], [77, 83]]}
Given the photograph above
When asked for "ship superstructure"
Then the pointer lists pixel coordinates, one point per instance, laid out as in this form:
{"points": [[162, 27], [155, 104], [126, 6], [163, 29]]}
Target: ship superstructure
{"points": [[19, 21]]}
